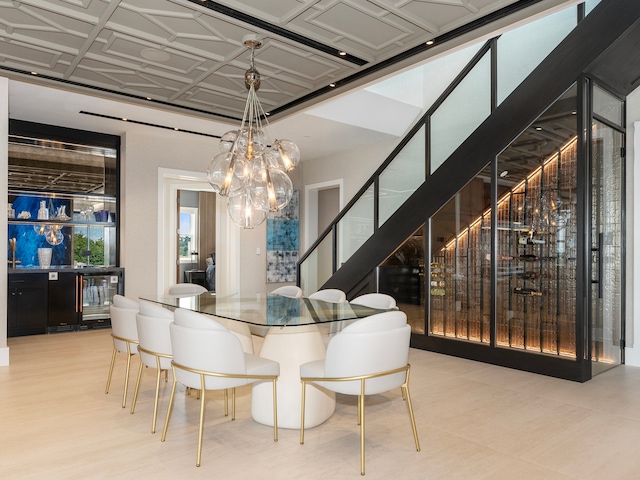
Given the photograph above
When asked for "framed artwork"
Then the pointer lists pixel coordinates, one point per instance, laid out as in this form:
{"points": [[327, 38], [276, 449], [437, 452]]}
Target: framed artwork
{"points": [[283, 240]]}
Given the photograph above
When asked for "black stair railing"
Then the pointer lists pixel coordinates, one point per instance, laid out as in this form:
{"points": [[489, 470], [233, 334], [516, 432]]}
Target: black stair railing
{"points": [[557, 72]]}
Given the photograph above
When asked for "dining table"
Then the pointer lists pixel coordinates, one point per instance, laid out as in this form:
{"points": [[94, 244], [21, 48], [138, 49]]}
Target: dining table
{"points": [[295, 331]]}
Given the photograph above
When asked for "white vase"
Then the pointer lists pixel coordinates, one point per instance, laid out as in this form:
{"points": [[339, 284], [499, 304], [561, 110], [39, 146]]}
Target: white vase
{"points": [[44, 257]]}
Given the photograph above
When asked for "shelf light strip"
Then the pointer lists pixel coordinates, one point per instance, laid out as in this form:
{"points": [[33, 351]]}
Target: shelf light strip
{"points": [[506, 196]]}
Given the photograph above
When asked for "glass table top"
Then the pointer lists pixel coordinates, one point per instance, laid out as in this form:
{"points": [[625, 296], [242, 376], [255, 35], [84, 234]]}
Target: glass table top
{"points": [[272, 310]]}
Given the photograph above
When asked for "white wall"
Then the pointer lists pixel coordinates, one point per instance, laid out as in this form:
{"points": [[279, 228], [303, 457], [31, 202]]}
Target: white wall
{"points": [[352, 167], [142, 154]]}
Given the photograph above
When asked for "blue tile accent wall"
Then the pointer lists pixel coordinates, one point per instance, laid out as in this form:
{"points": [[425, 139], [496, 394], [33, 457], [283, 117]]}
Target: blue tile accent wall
{"points": [[28, 240]]}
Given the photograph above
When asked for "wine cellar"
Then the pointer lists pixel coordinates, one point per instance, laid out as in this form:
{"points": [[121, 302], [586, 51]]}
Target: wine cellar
{"points": [[550, 208], [536, 267]]}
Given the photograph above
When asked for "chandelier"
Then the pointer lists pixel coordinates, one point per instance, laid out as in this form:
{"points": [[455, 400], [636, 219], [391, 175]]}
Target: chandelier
{"points": [[250, 169]]}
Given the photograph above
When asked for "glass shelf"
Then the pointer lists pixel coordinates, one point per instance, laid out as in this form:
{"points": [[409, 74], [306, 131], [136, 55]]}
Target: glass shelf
{"points": [[85, 235]]}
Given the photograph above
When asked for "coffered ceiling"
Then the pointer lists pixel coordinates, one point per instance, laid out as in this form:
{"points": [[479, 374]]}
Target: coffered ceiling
{"points": [[189, 54]]}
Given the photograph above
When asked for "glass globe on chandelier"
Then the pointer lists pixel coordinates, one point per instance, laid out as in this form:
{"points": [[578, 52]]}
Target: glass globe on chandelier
{"points": [[250, 169]]}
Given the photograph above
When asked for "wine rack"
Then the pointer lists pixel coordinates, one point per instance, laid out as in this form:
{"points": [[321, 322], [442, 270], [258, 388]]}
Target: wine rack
{"points": [[536, 266]]}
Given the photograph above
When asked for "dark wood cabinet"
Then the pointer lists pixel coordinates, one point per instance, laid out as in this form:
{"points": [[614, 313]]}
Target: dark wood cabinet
{"points": [[61, 299], [64, 301], [27, 312]]}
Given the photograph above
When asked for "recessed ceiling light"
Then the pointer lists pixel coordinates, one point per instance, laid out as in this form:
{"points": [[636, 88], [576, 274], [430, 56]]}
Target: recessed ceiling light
{"points": [[574, 113], [155, 55], [267, 113], [504, 173], [538, 128], [176, 128], [332, 85], [148, 98], [34, 73], [124, 119], [342, 54], [430, 42]]}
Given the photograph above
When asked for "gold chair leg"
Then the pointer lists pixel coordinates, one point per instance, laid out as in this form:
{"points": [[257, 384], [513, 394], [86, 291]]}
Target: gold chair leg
{"points": [[126, 377], [405, 390], [233, 403], [166, 421], [226, 402], [155, 403], [201, 429], [275, 411], [359, 419], [135, 392], [304, 391], [361, 416], [113, 362]]}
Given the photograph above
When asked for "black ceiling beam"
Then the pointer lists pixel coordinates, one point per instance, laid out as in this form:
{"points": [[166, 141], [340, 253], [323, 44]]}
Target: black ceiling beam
{"points": [[418, 49]]}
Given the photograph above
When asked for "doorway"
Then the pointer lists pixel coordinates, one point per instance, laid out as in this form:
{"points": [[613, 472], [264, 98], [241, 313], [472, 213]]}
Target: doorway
{"points": [[227, 238], [196, 236], [322, 203], [607, 252]]}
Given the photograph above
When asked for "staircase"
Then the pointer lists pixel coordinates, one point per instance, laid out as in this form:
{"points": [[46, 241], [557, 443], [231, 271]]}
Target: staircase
{"points": [[602, 46]]}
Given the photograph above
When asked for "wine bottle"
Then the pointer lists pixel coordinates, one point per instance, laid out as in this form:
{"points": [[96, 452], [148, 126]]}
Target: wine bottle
{"points": [[528, 275], [529, 292], [530, 241], [500, 257], [437, 283], [529, 257], [437, 291]]}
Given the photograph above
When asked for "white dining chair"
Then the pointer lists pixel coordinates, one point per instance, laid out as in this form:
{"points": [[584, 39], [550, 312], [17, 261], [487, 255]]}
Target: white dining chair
{"points": [[368, 357], [332, 295], [184, 289], [291, 291], [154, 347], [123, 313], [376, 300], [241, 330], [207, 356]]}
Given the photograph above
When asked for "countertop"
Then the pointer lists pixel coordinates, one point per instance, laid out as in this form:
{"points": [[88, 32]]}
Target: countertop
{"points": [[63, 268]]}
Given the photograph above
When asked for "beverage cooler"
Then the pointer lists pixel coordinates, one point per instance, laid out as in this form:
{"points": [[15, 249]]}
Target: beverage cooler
{"points": [[79, 300]]}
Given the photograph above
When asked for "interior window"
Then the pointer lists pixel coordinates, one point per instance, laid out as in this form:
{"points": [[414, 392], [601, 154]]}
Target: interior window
{"points": [[188, 234]]}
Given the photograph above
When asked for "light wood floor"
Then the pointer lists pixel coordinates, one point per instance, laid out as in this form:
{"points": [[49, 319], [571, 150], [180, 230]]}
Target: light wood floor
{"points": [[475, 421]]}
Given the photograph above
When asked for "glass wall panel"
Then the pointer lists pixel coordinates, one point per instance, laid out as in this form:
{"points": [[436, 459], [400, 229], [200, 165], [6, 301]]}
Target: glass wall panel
{"points": [[317, 267], [402, 276], [606, 246], [520, 50], [459, 274], [355, 227], [461, 113], [590, 5], [402, 176], [608, 106], [537, 235], [421, 86]]}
